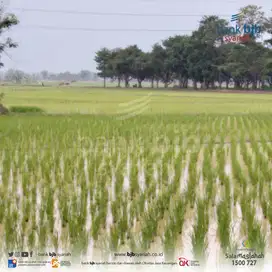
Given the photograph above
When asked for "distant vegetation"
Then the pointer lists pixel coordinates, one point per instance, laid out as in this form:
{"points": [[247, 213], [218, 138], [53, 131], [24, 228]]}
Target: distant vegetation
{"points": [[25, 109], [202, 58], [20, 77]]}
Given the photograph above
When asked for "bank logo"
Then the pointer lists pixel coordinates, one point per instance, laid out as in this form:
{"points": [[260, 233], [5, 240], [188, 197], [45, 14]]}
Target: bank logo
{"points": [[235, 17], [134, 107], [55, 262], [12, 263], [238, 33], [246, 244]]}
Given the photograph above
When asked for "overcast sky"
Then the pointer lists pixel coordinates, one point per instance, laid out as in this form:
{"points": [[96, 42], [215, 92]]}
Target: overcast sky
{"points": [[58, 50]]}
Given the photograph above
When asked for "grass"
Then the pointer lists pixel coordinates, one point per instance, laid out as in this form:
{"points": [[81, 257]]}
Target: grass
{"points": [[137, 183], [99, 101], [25, 109]]}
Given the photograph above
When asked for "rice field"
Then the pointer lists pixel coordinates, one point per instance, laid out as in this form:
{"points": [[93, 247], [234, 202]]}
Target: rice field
{"points": [[185, 185]]}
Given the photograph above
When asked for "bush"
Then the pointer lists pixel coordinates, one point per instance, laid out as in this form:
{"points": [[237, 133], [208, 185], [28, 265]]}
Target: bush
{"points": [[25, 109], [3, 110]]}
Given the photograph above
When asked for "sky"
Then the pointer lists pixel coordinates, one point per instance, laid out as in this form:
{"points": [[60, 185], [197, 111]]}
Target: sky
{"points": [[58, 50]]}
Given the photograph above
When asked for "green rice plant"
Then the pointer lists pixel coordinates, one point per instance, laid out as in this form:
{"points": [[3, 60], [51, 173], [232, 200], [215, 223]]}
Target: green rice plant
{"points": [[96, 221], [165, 161], [10, 238], [209, 175], [256, 238], [43, 237], [177, 168], [244, 206], [179, 214], [149, 229], [160, 206], [269, 209], [224, 225], [200, 229], [237, 173], [132, 213], [169, 240], [123, 226], [151, 191], [221, 164], [103, 207], [115, 206], [114, 238], [141, 203], [191, 191], [134, 185], [148, 160], [2, 210], [227, 188], [58, 161], [64, 210], [260, 190], [119, 180], [132, 242]]}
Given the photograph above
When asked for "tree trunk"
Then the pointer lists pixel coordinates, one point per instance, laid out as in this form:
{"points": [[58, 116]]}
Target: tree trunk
{"points": [[227, 84], [126, 82], [185, 83], [213, 85], [195, 84], [254, 85], [152, 83], [157, 83], [165, 85], [247, 85], [262, 84], [237, 84], [139, 83], [119, 82], [204, 85], [180, 83]]}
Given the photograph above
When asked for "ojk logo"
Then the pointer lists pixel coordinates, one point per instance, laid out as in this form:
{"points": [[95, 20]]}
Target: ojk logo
{"points": [[183, 262]]}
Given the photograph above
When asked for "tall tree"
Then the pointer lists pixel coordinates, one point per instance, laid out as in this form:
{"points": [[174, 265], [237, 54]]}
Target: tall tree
{"points": [[102, 60], [127, 61], [253, 15], [7, 21], [162, 65], [177, 54], [203, 51], [268, 28], [202, 57]]}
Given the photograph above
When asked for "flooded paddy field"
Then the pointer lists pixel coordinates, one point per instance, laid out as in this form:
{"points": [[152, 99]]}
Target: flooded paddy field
{"points": [[191, 186]]}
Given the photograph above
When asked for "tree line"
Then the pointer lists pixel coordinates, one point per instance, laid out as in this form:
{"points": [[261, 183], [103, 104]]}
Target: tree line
{"points": [[18, 76], [202, 58]]}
